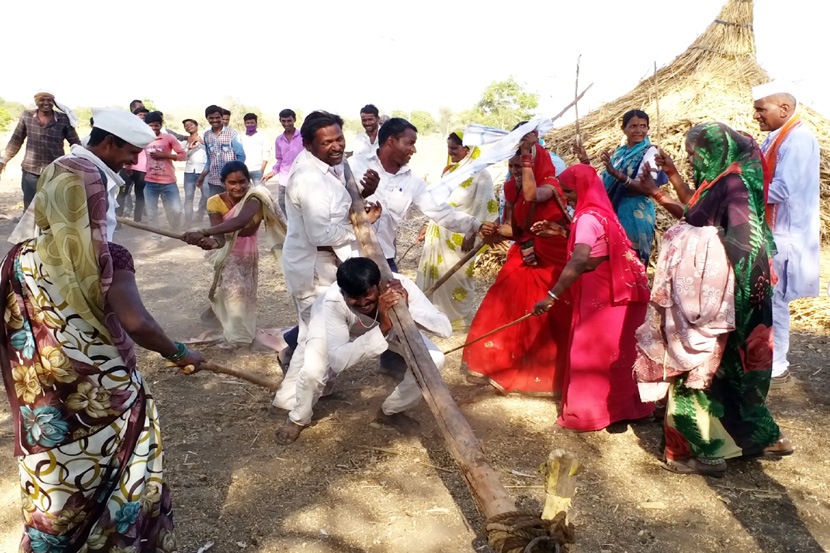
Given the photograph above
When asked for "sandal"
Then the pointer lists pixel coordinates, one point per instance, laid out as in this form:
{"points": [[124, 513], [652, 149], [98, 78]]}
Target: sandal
{"points": [[695, 466], [780, 448]]}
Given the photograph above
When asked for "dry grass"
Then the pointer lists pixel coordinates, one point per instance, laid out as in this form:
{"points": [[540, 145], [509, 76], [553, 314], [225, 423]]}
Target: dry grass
{"points": [[711, 80]]}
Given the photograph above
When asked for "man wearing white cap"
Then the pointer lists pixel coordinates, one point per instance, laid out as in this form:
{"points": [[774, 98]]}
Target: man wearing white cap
{"points": [[116, 139], [791, 153], [44, 131]]}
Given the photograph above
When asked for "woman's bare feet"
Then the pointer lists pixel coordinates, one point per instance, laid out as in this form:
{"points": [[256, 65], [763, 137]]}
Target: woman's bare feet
{"points": [[288, 432]]}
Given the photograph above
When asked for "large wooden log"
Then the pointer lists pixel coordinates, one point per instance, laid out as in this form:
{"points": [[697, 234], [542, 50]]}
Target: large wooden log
{"points": [[490, 496]]}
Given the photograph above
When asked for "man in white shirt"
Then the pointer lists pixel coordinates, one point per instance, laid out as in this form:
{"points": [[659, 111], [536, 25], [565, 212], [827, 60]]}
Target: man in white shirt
{"points": [[257, 148], [319, 231], [400, 188], [792, 153], [351, 323], [367, 142]]}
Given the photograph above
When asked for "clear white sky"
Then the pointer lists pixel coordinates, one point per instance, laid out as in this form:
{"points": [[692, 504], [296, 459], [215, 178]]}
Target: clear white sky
{"points": [[339, 56]]}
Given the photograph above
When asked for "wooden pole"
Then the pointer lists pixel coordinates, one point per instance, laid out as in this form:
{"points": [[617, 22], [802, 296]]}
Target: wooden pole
{"points": [[488, 493], [483, 336], [263, 381], [657, 103], [569, 106], [454, 269], [148, 228], [576, 100]]}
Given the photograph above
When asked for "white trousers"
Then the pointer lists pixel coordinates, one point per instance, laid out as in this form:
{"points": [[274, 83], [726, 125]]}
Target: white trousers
{"points": [[780, 331], [315, 373], [325, 273]]}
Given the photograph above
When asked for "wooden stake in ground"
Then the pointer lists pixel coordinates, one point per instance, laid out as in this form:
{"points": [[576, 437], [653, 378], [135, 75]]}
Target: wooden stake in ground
{"points": [[478, 247]]}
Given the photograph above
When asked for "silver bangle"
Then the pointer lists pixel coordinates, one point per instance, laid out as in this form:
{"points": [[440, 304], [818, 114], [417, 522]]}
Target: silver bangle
{"points": [[628, 181], [554, 296]]}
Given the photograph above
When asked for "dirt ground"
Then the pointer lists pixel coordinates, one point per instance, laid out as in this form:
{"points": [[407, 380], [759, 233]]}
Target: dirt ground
{"points": [[348, 487]]}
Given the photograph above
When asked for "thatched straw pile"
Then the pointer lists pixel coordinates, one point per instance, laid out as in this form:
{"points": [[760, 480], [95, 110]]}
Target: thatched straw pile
{"points": [[712, 80]]}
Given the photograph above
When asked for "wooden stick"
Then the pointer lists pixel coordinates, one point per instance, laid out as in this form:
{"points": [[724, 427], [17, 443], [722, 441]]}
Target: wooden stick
{"points": [[569, 106], [400, 259], [148, 228], [263, 381], [657, 104], [483, 336], [488, 493], [576, 101], [452, 270]]}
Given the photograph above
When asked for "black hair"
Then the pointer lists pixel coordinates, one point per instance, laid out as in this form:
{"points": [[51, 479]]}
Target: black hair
{"points": [[136, 111], [213, 108], [249, 116], [287, 113], [356, 275], [233, 167], [396, 126], [317, 120], [153, 117], [519, 124], [134, 103], [98, 135], [226, 112], [191, 120], [370, 109], [455, 138], [631, 114]]}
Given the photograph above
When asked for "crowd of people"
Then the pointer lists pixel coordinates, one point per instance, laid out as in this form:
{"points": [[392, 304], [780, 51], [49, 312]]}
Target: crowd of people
{"points": [[698, 349]]}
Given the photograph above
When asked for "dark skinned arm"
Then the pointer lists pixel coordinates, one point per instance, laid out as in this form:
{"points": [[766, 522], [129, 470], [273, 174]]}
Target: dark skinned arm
{"points": [[126, 303]]}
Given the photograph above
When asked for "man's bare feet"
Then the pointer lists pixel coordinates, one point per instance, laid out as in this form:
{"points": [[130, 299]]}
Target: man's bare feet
{"points": [[399, 421], [288, 432]]}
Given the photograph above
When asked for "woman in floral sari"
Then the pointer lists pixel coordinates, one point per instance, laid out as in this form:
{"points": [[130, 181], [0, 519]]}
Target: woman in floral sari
{"points": [[235, 217], [729, 418], [86, 428], [443, 248], [529, 357]]}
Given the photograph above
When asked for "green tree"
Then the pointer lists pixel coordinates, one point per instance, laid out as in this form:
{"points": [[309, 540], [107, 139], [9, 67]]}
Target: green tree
{"points": [[503, 104], [5, 118], [424, 122]]}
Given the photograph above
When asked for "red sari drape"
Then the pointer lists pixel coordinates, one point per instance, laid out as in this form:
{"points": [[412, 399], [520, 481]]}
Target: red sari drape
{"points": [[529, 357]]}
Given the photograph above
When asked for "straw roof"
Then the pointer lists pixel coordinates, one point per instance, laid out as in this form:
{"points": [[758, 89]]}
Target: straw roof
{"points": [[711, 80]]}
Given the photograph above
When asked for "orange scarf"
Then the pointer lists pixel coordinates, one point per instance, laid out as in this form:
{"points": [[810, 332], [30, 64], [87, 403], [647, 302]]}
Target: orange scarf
{"points": [[771, 162]]}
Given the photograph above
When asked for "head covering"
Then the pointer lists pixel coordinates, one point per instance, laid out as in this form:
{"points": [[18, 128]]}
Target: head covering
{"points": [[629, 282], [124, 125], [73, 119], [472, 154], [774, 87]]}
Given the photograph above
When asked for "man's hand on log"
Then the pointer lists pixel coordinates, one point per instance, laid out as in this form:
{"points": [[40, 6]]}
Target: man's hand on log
{"points": [[386, 301], [373, 211], [395, 284]]}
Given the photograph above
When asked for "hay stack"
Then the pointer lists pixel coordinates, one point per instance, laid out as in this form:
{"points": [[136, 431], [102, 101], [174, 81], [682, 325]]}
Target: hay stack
{"points": [[711, 80]]}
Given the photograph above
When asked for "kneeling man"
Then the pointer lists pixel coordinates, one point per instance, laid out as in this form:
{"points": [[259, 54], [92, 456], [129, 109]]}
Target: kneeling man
{"points": [[349, 323]]}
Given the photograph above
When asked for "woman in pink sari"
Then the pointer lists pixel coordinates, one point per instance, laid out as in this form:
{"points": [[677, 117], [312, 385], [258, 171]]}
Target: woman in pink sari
{"points": [[610, 293]]}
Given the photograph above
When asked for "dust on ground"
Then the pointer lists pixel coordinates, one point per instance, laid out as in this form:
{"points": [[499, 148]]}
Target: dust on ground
{"points": [[348, 487]]}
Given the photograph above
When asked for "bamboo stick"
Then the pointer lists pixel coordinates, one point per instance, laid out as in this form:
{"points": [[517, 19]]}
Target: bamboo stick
{"points": [[569, 106], [263, 381], [656, 104], [576, 101], [483, 336], [488, 493], [452, 270], [148, 228]]}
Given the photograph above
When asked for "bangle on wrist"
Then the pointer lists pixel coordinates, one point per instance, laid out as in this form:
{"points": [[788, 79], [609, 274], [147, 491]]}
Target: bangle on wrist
{"points": [[552, 295], [659, 196], [181, 353], [627, 180]]}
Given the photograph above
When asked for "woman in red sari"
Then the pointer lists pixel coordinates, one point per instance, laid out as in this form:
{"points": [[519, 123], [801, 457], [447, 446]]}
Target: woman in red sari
{"points": [[610, 292], [529, 357]]}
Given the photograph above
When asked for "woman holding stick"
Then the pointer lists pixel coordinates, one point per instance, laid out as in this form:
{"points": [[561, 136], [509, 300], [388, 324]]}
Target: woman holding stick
{"points": [[610, 293], [623, 169], [87, 433], [443, 248], [727, 417], [528, 357], [235, 216]]}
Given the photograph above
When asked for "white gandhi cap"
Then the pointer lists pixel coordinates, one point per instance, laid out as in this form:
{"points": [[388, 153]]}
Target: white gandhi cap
{"points": [[774, 87], [124, 125]]}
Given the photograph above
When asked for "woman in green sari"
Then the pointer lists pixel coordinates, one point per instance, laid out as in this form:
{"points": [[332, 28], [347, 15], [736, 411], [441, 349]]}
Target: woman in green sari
{"points": [[729, 418]]}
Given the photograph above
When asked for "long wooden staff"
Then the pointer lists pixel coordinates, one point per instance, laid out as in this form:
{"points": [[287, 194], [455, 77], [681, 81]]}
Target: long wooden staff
{"points": [[452, 270], [263, 381], [576, 101], [488, 493], [524, 317], [657, 103], [148, 228], [569, 106]]}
